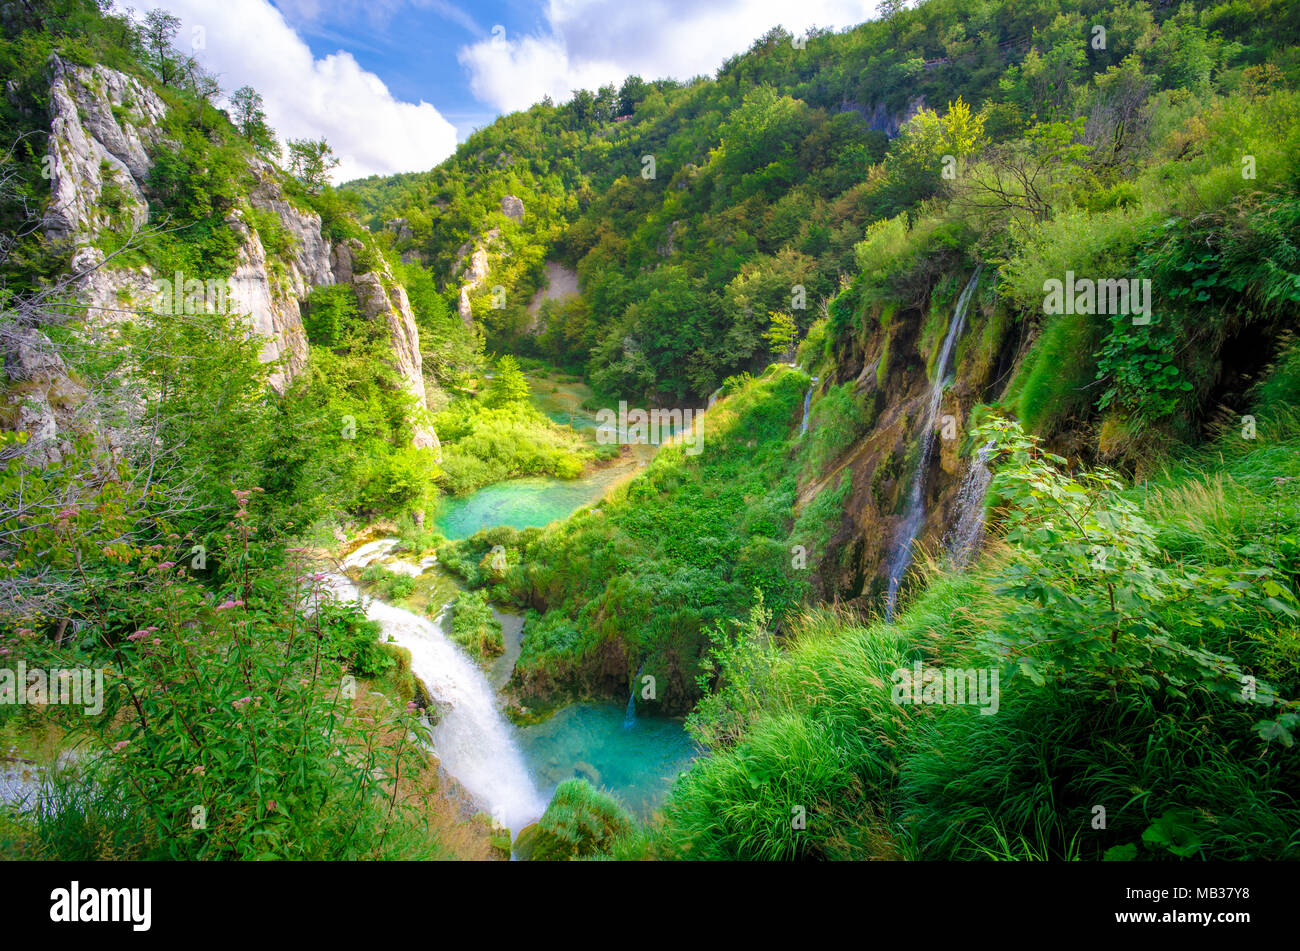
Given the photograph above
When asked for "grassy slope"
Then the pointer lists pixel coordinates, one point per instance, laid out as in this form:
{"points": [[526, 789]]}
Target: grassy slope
{"points": [[879, 779]]}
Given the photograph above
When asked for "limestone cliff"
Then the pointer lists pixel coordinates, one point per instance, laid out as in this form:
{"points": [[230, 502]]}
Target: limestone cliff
{"points": [[473, 275], [105, 129], [382, 298]]}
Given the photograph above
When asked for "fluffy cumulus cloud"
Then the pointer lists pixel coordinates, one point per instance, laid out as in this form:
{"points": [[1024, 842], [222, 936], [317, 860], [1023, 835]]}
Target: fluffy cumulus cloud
{"points": [[587, 43], [248, 42]]}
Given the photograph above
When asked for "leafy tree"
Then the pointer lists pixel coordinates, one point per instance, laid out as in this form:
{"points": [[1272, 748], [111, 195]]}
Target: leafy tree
{"points": [[310, 161], [509, 385], [156, 34], [250, 120], [781, 334]]}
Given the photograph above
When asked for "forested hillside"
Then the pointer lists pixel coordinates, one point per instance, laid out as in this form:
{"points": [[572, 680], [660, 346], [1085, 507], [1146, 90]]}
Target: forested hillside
{"points": [[989, 311]]}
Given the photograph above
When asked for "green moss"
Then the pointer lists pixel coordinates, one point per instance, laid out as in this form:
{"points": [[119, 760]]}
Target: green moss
{"points": [[1053, 382], [474, 628], [580, 822], [882, 368]]}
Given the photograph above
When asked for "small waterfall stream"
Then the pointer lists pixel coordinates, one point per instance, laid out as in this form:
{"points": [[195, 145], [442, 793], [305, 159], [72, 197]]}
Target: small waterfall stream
{"points": [[629, 718], [914, 517], [807, 405], [968, 525]]}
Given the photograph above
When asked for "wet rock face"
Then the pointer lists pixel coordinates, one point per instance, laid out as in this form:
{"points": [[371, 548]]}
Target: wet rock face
{"points": [[881, 465]]}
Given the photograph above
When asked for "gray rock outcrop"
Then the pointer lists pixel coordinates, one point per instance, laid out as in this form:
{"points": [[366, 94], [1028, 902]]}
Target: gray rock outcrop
{"points": [[383, 299]]}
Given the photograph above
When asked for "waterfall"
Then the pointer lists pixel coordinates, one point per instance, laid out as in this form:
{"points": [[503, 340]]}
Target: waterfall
{"points": [[369, 552], [915, 514], [713, 397], [807, 405], [629, 718], [968, 525], [473, 741]]}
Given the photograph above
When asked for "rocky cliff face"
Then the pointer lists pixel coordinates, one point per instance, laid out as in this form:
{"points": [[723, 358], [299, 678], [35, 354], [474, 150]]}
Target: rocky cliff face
{"points": [[271, 297], [105, 127], [474, 275], [889, 363], [382, 298]]}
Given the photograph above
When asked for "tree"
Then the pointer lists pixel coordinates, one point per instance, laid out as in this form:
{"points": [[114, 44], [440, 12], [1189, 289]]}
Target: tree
{"points": [[889, 11], [1021, 177], [632, 91], [926, 153], [510, 384], [156, 35], [780, 335], [250, 120], [310, 161]]}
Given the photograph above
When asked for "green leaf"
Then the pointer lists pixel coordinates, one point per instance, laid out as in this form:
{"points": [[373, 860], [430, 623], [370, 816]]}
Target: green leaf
{"points": [[1270, 730]]}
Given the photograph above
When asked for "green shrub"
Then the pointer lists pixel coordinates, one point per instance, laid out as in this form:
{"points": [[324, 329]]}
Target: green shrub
{"points": [[474, 628], [580, 822]]}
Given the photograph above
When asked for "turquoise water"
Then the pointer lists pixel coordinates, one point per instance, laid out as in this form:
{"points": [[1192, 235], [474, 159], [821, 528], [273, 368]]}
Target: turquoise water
{"points": [[638, 763], [522, 503]]}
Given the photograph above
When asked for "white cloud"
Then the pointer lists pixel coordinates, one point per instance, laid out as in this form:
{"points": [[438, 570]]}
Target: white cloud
{"points": [[249, 42], [588, 43], [379, 12]]}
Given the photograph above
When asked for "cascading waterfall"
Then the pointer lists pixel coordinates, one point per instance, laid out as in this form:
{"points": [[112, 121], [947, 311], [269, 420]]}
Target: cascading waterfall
{"points": [[713, 397], [629, 718], [473, 740], [915, 515], [807, 405], [964, 538]]}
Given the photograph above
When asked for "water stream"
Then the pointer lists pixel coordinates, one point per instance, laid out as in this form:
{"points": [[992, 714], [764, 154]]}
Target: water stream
{"points": [[914, 516], [513, 770], [963, 539], [474, 741], [807, 405], [629, 716]]}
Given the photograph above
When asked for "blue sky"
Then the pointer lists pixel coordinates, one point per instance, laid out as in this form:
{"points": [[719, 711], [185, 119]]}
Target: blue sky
{"points": [[395, 84], [414, 50]]}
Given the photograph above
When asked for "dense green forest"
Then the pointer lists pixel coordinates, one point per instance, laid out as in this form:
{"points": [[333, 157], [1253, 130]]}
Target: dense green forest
{"points": [[1066, 233]]}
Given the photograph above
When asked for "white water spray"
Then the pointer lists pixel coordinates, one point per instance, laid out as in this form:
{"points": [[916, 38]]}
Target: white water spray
{"points": [[807, 405], [963, 539], [473, 740], [915, 515]]}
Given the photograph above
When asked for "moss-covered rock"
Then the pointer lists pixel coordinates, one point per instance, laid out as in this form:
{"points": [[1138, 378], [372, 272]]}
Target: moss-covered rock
{"points": [[580, 822]]}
